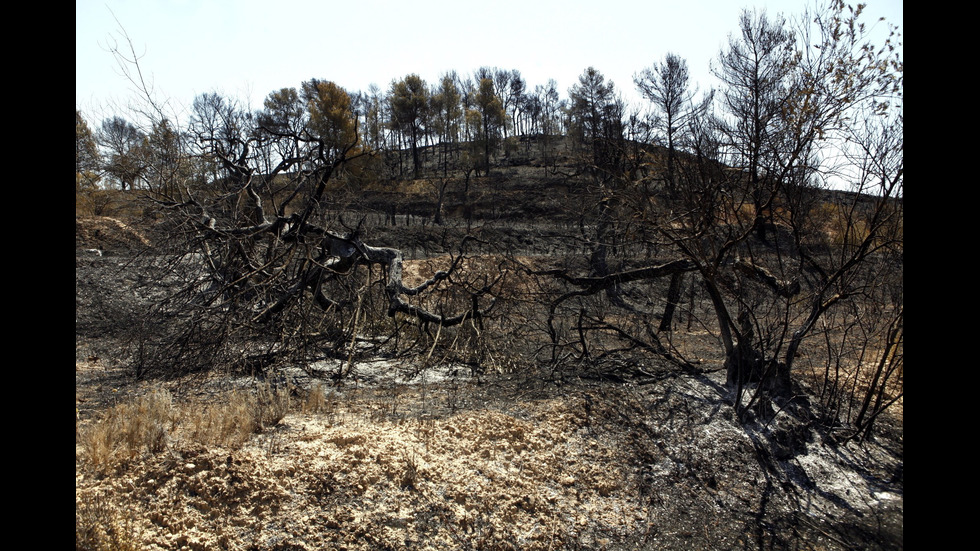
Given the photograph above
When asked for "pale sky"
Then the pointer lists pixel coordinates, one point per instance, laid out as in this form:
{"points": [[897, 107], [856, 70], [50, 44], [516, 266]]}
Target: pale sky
{"points": [[249, 48]]}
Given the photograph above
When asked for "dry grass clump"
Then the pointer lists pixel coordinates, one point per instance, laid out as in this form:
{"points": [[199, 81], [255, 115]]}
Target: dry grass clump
{"points": [[317, 400], [100, 526], [129, 429], [150, 423], [233, 420]]}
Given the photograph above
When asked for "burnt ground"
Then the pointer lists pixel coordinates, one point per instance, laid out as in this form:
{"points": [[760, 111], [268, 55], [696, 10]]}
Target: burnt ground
{"points": [[440, 459]]}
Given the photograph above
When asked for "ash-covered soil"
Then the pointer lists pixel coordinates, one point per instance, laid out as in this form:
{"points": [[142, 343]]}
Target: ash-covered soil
{"points": [[443, 460], [513, 463]]}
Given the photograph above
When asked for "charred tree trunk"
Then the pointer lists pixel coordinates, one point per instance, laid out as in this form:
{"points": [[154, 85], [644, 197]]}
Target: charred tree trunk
{"points": [[673, 297]]}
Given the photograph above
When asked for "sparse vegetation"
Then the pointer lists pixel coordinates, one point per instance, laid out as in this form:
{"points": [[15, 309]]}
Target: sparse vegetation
{"points": [[468, 316], [100, 525], [128, 430], [150, 424]]}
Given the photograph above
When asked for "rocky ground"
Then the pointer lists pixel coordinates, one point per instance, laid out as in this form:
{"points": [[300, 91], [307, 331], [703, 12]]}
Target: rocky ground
{"points": [[392, 459]]}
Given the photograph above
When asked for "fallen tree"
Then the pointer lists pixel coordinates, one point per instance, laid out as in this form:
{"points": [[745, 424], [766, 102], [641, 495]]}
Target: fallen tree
{"points": [[264, 272]]}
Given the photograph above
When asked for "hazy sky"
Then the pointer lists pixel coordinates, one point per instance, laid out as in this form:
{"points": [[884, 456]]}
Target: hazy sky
{"points": [[249, 48]]}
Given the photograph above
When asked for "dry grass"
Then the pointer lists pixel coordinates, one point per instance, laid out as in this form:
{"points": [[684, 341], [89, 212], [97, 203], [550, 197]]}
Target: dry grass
{"points": [[152, 422], [478, 269], [133, 431], [317, 400], [125, 433], [99, 525], [127, 430], [232, 421], [103, 232]]}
